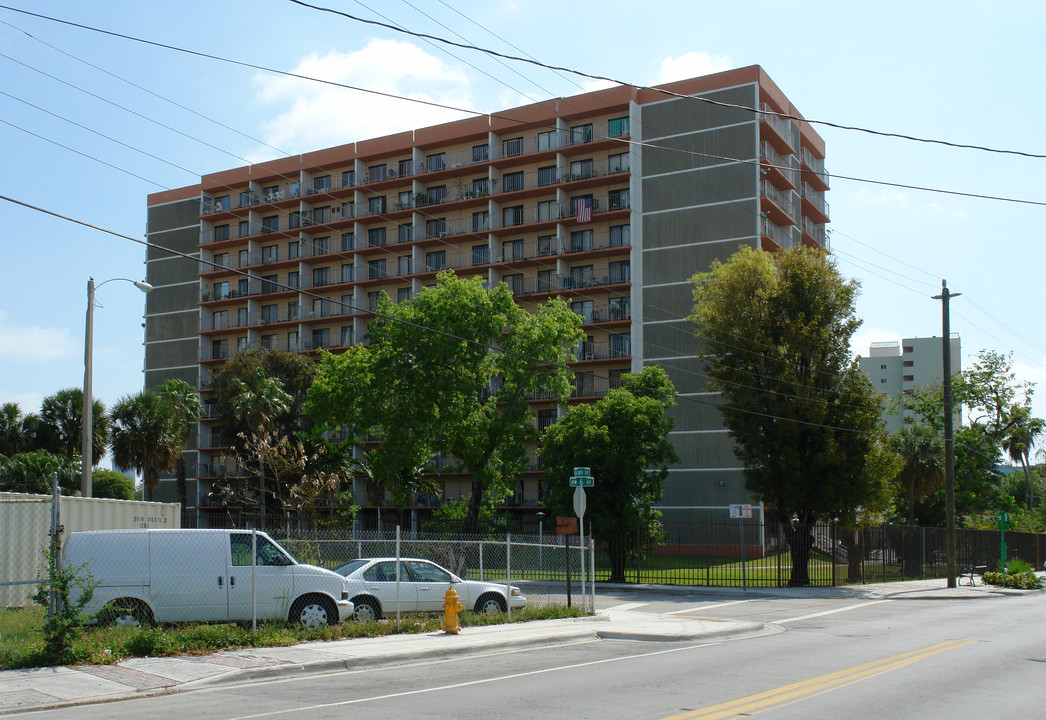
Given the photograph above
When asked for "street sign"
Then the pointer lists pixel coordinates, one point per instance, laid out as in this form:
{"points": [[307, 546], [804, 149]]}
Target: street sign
{"points": [[582, 471], [582, 481], [740, 511], [566, 526], [580, 502]]}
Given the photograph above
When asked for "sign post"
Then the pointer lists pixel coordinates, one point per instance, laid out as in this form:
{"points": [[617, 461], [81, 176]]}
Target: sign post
{"points": [[1003, 520], [741, 512], [581, 479]]}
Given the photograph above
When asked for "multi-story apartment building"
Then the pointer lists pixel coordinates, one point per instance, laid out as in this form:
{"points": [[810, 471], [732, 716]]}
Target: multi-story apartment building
{"points": [[897, 368], [611, 199]]}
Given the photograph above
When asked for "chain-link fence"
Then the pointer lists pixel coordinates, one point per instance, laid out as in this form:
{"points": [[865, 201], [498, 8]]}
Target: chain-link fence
{"points": [[24, 536]]}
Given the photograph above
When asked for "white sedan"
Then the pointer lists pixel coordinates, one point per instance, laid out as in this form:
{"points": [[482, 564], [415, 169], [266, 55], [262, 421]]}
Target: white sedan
{"points": [[375, 592]]}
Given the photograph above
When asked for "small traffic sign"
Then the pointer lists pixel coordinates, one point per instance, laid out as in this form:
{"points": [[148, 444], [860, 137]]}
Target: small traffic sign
{"points": [[580, 481], [582, 471], [740, 511]]}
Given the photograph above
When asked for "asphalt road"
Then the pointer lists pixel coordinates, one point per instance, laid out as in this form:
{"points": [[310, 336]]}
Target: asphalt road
{"points": [[981, 657]]}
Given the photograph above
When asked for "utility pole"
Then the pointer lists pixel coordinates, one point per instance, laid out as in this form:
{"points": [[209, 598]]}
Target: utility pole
{"points": [[949, 447]]}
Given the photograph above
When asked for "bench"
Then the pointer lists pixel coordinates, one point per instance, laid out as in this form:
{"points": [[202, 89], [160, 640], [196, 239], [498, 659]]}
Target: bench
{"points": [[970, 573]]}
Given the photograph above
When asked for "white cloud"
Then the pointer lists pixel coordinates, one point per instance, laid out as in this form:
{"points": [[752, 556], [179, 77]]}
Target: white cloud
{"points": [[692, 64], [31, 343], [315, 115]]}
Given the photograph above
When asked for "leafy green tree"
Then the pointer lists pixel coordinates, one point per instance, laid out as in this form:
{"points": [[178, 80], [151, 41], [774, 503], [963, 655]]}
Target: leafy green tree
{"points": [[111, 484], [623, 438], [450, 371], [31, 472], [148, 435], [774, 330], [61, 420], [1020, 434], [186, 404], [16, 430]]}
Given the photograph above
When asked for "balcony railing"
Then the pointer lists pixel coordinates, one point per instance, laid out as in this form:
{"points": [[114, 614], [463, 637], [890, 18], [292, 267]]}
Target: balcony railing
{"points": [[780, 198], [779, 124], [815, 198], [781, 163]]}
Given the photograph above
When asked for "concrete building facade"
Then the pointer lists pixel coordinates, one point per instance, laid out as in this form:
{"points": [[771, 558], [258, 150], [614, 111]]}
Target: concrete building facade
{"points": [[897, 367], [611, 199]]}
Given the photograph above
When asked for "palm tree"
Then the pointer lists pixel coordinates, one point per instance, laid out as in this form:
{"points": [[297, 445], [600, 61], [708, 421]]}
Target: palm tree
{"points": [[258, 403], [61, 420], [186, 404], [15, 430], [148, 435], [1021, 432], [923, 470]]}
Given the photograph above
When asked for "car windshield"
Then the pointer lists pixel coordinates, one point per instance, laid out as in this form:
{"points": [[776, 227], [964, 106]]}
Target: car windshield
{"points": [[352, 567]]}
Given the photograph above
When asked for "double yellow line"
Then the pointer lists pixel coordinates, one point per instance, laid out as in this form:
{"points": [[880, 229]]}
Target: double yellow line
{"points": [[788, 694]]}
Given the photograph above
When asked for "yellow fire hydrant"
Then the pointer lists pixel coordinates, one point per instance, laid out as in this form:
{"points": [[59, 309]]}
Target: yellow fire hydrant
{"points": [[451, 607]]}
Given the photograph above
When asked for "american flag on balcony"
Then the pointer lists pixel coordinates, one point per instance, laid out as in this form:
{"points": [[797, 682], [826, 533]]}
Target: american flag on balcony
{"points": [[584, 210]]}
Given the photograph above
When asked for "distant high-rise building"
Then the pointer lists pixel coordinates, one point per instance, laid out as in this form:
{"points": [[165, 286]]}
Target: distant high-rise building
{"points": [[897, 368], [611, 199]]}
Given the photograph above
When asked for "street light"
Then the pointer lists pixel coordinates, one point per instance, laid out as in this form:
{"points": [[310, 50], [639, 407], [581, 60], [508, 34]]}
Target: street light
{"points": [[87, 419]]}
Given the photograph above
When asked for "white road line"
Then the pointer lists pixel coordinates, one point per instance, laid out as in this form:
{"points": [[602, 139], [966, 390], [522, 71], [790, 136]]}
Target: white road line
{"points": [[704, 607], [828, 612], [628, 606]]}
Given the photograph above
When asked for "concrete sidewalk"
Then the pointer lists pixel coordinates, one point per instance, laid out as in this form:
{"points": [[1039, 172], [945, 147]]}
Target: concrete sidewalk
{"points": [[49, 687]]}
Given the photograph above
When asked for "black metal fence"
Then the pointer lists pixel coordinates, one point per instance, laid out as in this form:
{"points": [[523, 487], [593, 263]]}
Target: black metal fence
{"points": [[760, 555]]}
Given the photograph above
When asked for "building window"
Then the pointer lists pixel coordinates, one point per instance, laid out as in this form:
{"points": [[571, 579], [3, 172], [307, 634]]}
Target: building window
{"points": [[270, 283], [581, 169], [221, 260], [321, 307], [581, 134], [618, 127], [376, 173], [295, 220], [882, 381], [436, 227], [581, 241], [244, 257], [512, 250], [244, 228], [321, 184], [221, 203], [620, 236], [512, 181], [346, 272], [376, 269], [546, 418], [621, 345], [907, 363], [320, 216], [584, 309], [513, 147], [883, 366], [909, 378], [436, 162], [220, 233], [348, 241], [372, 300], [435, 195], [580, 276], [293, 279], [909, 348], [243, 287], [480, 254], [480, 221], [620, 308], [620, 272], [219, 319], [268, 342], [219, 349], [402, 294], [548, 210], [292, 310], [376, 237], [514, 282], [269, 314], [241, 343], [480, 187], [546, 245], [544, 280], [405, 232], [321, 338], [406, 167], [480, 153], [619, 199], [346, 305], [348, 210], [348, 178], [547, 141], [321, 246], [346, 335], [270, 224], [618, 163], [293, 249], [547, 175], [376, 204], [321, 276], [405, 263], [436, 260], [512, 216], [241, 317]]}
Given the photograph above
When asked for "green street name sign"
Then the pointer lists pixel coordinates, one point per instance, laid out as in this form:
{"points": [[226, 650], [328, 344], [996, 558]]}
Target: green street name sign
{"points": [[582, 481], [582, 472]]}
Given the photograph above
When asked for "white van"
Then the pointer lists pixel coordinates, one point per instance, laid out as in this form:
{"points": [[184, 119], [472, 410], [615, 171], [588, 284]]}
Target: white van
{"points": [[146, 576]]}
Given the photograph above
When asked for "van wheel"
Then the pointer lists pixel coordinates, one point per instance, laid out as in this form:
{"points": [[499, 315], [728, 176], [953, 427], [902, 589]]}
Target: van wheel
{"points": [[126, 612], [367, 609], [490, 604], [313, 611]]}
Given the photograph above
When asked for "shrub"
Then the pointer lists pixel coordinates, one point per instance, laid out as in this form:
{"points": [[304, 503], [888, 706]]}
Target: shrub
{"points": [[1024, 580], [64, 625]]}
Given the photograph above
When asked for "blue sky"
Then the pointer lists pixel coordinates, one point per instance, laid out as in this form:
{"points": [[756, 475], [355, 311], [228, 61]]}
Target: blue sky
{"points": [[937, 70]]}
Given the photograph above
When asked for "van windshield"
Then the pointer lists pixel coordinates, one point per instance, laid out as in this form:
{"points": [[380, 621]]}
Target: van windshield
{"points": [[268, 552]]}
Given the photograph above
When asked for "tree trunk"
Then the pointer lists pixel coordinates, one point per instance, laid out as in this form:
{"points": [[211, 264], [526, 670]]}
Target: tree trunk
{"points": [[801, 540], [616, 549], [179, 472]]}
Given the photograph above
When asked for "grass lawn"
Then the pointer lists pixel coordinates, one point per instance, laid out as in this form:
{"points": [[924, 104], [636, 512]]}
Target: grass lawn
{"points": [[22, 636]]}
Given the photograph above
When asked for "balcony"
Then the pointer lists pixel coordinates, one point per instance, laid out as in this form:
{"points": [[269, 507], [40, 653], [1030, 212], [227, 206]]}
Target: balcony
{"points": [[776, 129], [814, 204], [776, 237], [778, 167], [813, 169], [777, 204]]}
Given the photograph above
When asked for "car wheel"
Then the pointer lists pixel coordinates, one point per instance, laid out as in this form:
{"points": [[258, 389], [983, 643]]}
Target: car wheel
{"points": [[126, 612], [367, 609], [490, 604], [313, 612]]}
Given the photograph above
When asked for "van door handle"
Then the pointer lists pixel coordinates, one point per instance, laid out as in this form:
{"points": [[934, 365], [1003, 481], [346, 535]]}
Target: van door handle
{"points": [[232, 581], [219, 581]]}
